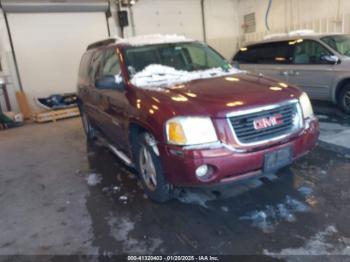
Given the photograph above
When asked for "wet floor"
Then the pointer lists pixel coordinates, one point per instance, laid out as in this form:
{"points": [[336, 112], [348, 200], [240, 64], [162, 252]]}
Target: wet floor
{"points": [[303, 209], [61, 195]]}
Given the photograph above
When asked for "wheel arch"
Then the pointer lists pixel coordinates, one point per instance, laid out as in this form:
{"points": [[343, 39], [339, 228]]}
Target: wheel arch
{"points": [[135, 129], [341, 84]]}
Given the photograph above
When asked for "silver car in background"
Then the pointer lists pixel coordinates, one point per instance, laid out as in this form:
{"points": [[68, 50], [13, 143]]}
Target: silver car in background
{"points": [[317, 63]]}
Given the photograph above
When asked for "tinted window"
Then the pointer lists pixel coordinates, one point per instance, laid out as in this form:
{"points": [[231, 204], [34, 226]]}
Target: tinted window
{"points": [[111, 64], [309, 52], [84, 65], [95, 68], [247, 55], [268, 53]]}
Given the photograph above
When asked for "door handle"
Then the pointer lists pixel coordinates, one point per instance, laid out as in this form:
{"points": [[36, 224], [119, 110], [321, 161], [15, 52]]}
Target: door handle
{"points": [[294, 73], [284, 73]]}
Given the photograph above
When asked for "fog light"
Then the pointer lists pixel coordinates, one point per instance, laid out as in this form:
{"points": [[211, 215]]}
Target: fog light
{"points": [[202, 171]]}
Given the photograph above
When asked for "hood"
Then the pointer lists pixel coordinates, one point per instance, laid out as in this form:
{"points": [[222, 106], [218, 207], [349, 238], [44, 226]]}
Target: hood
{"points": [[219, 96], [222, 95]]}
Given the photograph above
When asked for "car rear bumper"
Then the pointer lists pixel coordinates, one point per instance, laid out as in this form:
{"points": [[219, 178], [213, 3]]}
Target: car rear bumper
{"points": [[180, 164]]}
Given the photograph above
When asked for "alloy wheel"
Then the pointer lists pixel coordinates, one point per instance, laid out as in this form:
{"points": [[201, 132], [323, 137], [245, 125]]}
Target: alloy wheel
{"points": [[148, 171], [347, 99]]}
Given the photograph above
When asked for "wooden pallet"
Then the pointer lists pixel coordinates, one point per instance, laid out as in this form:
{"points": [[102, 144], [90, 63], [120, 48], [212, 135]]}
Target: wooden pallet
{"points": [[54, 115]]}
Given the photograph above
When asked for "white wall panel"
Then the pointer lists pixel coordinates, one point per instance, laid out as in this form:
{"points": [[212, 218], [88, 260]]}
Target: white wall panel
{"points": [[185, 17], [222, 25], [49, 46], [289, 15], [168, 17]]}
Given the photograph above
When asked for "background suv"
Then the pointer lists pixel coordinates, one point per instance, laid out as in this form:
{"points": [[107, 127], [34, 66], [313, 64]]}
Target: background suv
{"points": [[317, 63], [182, 116]]}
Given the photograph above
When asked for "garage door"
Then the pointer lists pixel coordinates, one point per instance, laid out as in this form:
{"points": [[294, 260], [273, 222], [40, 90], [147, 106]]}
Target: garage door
{"points": [[49, 42]]}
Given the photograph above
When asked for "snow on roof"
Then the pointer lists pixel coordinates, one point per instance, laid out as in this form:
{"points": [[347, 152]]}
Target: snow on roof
{"points": [[153, 39], [272, 36], [290, 34], [301, 32], [155, 76]]}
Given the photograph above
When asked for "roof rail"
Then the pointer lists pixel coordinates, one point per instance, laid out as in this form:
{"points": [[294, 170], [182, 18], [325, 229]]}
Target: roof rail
{"points": [[101, 43]]}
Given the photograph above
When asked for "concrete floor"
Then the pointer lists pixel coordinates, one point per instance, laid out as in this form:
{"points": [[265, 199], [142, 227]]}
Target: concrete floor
{"points": [[60, 195]]}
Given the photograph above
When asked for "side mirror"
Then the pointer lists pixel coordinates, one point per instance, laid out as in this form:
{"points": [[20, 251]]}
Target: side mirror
{"points": [[110, 82], [330, 59]]}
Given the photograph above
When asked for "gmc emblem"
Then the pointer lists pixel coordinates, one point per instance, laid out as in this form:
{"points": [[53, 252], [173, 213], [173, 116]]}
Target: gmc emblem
{"points": [[266, 122]]}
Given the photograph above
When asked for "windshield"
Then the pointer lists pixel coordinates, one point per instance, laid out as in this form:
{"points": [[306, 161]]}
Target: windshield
{"points": [[180, 56], [169, 64], [340, 43]]}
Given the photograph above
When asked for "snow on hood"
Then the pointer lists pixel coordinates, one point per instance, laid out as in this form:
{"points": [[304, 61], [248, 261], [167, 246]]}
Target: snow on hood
{"points": [[154, 39], [155, 76]]}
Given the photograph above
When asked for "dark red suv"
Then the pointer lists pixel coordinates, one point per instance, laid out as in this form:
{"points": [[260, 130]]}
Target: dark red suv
{"points": [[178, 112]]}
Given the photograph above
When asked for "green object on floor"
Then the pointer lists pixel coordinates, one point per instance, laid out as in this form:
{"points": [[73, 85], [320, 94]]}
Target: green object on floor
{"points": [[5, 119]]}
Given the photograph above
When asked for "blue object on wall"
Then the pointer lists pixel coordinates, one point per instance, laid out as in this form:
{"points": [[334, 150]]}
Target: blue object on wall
{"points": [[267, 15]]}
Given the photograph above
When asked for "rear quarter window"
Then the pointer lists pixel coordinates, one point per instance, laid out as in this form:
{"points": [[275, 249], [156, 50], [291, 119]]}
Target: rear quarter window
{"points": [[266, 53], [84, 65]]}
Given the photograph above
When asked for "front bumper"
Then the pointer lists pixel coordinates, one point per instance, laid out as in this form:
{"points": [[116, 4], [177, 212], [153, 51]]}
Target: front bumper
{"points": [[179, 164]]}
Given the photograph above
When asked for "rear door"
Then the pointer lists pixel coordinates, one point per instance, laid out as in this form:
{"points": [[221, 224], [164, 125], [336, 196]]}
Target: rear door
{"points": [[308, 71], [91, 94]]}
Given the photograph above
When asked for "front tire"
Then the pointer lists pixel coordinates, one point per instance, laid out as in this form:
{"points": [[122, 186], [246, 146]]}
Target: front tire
{"points": [[150, 171], [344, 99]]}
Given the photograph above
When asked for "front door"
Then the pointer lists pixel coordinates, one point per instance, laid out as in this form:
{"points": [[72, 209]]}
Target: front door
{"points": [[114, 103], [308, 71]]}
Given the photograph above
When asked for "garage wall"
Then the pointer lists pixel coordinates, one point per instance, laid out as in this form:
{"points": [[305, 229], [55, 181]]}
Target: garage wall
{"points": [[8, 71], [185, 17], [288, 15], [49, 46], [222, 25], [164, 16]]}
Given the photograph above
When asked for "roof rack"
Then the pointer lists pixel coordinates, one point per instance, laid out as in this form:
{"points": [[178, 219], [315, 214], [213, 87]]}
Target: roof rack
{"points": [[101, 43]]}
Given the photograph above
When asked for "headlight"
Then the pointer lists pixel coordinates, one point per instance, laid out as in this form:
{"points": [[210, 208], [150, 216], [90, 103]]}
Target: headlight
{"points": [[190, 131], [306, 105]]}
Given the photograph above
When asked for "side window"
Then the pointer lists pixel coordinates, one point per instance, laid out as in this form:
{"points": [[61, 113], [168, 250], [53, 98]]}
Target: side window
{"points": [[309, 52], [247, 55], [200, 58], [84, 65], [95, 68], [267, 53], [274, 53], [111, 65]]}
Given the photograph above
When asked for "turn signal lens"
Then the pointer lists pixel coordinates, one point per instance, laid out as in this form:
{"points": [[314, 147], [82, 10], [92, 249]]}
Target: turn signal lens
{"points": [[176, 133], [183, 130]]}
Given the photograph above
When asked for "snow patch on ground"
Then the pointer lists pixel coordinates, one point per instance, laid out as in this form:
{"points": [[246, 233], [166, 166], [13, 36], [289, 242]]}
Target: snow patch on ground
{"points": [[123, 199], [93, 179], [268, 218], [154, 76], [197, 198], [305, 190], [317, 245], [121, 227]]}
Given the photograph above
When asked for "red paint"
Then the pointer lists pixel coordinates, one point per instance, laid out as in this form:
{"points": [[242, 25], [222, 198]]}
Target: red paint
{"points": [[115, 111]]}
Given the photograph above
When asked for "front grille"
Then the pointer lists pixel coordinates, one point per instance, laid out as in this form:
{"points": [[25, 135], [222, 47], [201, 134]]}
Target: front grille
{"points": [[243, 125]]}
